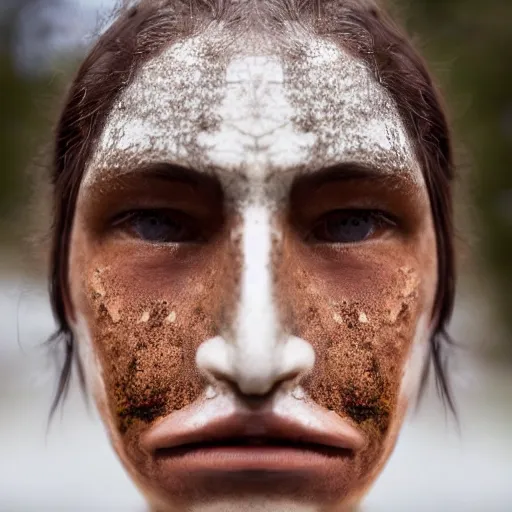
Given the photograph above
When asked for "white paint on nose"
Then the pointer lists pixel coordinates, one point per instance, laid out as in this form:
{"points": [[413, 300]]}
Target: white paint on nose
{"points": [[257, 329], [260, 355]]}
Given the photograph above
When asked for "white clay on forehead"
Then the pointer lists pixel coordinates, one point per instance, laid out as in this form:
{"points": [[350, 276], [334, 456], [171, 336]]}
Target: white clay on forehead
{"points": [[256, 131], [156, 117], [355, 118], [265, 114]]}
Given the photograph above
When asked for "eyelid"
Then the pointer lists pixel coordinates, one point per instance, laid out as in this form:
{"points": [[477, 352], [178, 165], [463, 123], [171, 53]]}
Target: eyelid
{"points": [[379, 215], [122, 224], [122, 217]]}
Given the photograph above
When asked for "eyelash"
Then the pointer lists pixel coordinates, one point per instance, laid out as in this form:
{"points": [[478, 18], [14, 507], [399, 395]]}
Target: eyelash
{"points": [[168, 226], [352, 226], [185, 227]]}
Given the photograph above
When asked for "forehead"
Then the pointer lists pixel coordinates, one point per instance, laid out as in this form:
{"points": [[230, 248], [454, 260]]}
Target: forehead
{"points": [[258, 112]]}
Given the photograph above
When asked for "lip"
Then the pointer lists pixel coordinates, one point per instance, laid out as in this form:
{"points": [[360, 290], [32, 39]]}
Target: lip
{"points": [[222, 434]]}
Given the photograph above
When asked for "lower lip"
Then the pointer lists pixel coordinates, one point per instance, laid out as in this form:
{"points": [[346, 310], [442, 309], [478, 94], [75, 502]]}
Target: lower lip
{"points": [[252, 457]]}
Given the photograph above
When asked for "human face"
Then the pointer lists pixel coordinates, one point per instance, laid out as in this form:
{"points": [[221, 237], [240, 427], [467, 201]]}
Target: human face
{"points": [[252, 269]]}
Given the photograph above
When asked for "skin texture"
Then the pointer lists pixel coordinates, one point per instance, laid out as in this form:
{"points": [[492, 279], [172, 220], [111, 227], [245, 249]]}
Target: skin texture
{"points": [[256, 146]]}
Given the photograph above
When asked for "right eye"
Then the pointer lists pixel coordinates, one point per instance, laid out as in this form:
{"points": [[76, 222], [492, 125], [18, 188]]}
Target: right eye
{"points": [[160, 226], [350, 226]]}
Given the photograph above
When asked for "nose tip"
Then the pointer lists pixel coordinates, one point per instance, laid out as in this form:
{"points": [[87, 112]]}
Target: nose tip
{"points": [[255, 376]]}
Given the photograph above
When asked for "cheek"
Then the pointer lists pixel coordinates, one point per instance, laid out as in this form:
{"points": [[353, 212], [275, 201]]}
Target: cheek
{"points": [[361, 319], [144, 326]]}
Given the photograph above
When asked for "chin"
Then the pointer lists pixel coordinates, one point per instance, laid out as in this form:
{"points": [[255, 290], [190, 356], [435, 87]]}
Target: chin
{"points": [[216, 456]]}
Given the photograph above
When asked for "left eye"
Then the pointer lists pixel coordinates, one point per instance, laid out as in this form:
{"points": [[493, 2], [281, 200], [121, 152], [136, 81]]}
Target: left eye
{"points": [[160, 226], [348, 226]]}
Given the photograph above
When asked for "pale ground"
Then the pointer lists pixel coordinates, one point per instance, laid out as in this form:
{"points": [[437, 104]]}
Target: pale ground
{"points": [[71, 468]]}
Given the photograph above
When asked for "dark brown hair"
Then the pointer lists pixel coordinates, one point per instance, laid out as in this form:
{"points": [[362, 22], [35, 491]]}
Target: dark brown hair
{"points": [[146, 28]]}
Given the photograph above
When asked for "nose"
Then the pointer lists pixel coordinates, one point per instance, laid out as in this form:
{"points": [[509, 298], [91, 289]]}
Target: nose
{"points": [[258, 355], [255, 373]]}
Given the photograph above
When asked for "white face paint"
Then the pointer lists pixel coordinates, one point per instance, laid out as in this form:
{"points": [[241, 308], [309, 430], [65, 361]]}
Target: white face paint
{"points": [[256, 132], [255, 359], [259, 114], [417, 359], [89, 360]]}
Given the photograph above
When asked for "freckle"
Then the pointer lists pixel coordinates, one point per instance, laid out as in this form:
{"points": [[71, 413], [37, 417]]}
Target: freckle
{"points": [[363, 318], [337, 318], [144, 318], [171, 318]]}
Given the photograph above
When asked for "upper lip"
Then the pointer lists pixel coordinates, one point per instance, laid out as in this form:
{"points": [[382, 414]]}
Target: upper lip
{"points": [[299, 424]]}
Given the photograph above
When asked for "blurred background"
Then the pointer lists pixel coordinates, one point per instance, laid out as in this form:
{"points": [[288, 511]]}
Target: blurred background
{"points": [[437, 466]]}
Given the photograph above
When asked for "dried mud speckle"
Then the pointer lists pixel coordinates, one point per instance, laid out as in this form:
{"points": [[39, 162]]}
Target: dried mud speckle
{"points": [[171, 318], [337, 318], [360, 346], [148, 357]]}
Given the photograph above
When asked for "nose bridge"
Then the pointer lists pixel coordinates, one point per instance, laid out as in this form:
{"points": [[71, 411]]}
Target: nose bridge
{"points": [[255, 352], [257, 330]]}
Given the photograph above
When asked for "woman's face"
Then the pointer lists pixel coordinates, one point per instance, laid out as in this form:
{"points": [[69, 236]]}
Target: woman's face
{"points": [[253, 268]]}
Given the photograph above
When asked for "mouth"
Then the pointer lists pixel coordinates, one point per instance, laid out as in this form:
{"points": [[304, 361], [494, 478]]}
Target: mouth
{"points": [[250, 454], [279, 439]]}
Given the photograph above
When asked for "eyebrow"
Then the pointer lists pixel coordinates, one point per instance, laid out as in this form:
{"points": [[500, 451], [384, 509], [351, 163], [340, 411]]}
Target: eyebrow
{"points": [[352, 171], [164, 171]]}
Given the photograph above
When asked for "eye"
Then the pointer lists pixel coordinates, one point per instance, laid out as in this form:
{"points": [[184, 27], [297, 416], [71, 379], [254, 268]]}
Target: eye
{"points": [[349, 226], [160, 226]]}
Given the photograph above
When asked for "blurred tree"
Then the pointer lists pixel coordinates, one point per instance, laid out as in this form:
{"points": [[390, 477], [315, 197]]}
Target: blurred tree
{"points": [[25, 126], [472, 40]]}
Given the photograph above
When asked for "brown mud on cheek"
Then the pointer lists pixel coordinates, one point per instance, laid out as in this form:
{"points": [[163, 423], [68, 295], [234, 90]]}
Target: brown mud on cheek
{"points": [[361, 346], [147, 349]]}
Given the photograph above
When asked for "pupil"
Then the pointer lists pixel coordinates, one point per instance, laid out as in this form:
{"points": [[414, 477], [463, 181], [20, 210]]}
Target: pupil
{"points": [[159, 228], [349, 228]]}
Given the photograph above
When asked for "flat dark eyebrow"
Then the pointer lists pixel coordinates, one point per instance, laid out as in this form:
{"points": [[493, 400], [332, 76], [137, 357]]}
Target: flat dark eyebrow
{"points": [[165, 171], [353, 171]]}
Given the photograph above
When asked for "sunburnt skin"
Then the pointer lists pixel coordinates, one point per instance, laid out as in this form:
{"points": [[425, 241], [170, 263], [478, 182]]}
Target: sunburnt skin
{"points": [[341, 324]]}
